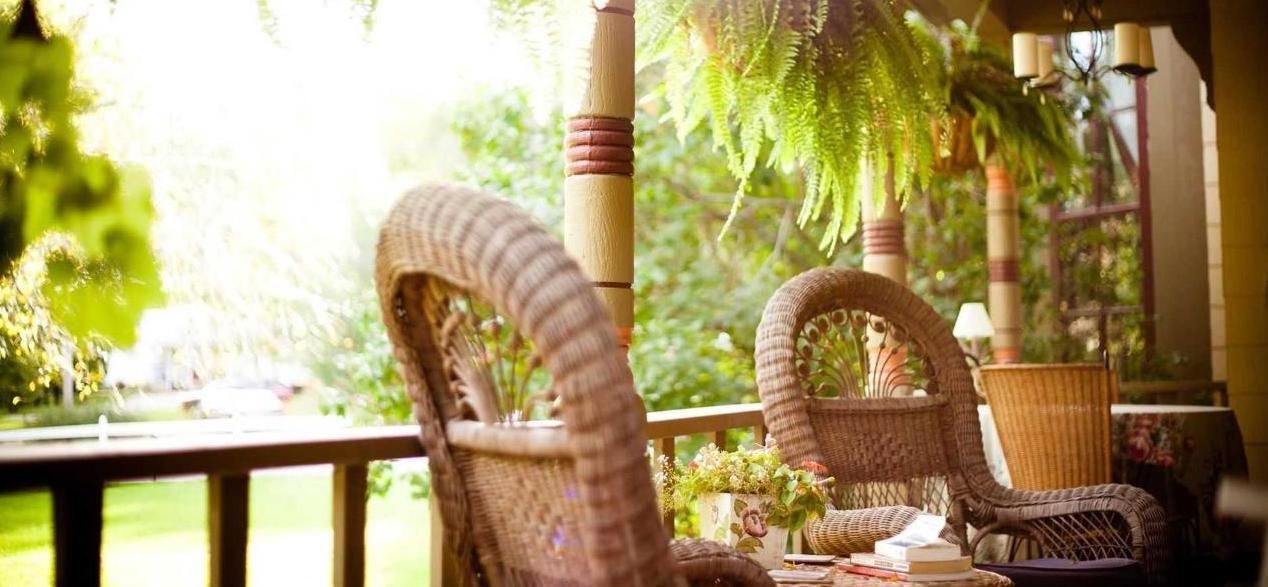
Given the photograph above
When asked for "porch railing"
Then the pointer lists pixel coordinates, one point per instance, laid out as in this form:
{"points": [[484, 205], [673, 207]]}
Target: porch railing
{"points": [[77, 473]]}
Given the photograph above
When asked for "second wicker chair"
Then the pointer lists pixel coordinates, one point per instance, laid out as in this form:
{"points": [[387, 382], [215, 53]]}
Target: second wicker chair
{"points": [[858, 374], [493, 323]]}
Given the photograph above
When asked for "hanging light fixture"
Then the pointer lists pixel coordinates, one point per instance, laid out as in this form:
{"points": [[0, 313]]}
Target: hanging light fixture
{"points": [[1133, 49]]}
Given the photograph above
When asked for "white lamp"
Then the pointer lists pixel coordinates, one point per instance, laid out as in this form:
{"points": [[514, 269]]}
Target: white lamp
{"points": [[973, 324], [1025, 55], [1146, 43]]}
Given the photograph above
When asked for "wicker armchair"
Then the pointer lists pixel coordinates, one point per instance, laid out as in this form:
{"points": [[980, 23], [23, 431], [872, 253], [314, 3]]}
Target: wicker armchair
{"points": [[1053, 422], [562, 501], [858, 374]]}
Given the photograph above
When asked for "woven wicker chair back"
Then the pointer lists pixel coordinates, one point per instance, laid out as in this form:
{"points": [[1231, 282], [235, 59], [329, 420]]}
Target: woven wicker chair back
{"points": [[493, 324], [1053, 423], [858, 374]]}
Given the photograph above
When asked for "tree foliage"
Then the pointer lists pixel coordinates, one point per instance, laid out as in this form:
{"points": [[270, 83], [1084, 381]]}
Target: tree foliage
{"points": [[94, 272]]}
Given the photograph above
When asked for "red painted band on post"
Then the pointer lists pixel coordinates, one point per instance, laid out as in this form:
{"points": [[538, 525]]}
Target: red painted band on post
{"points": [[1004, 270], [598, 153], [883, 237], [600, 168], [608, 138], [599, 145], [612, 284], [599, 123], [1005, 355]]}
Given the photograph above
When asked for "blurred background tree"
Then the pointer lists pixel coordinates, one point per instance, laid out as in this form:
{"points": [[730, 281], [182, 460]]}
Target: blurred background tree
{"points": [[76, 267]]}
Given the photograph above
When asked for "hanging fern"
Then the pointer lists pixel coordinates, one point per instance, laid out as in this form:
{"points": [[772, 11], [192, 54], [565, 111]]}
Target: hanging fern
{"points": [[1030, 130], [832, 87]]}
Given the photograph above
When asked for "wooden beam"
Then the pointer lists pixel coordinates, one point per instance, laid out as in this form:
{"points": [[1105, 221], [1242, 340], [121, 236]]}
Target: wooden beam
{"points": [[1044, 16], [349, 493], [228, 503], [77, 533]]}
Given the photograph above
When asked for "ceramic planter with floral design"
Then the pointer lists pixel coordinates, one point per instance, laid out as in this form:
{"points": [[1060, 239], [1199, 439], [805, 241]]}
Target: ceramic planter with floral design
{"points": [[740, 520]]}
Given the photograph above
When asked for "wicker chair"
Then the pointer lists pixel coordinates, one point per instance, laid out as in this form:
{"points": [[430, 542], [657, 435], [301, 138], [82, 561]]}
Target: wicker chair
{"points": [[858, 374], [553, 502], [1053, 422]]}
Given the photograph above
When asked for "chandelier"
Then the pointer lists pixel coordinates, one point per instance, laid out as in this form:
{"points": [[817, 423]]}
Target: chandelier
{"points": [[1133, 49]]}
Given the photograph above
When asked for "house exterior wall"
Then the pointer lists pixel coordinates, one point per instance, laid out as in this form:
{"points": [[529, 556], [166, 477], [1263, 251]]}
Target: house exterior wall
{"points": [[1181, 293], [1240, 52]]}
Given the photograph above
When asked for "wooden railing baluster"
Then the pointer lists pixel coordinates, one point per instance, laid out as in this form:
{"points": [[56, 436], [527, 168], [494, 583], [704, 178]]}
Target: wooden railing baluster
{"points": [[759, 434], [719, 439], [349, 494], [77, 513], [665, 447], [228, 503]]}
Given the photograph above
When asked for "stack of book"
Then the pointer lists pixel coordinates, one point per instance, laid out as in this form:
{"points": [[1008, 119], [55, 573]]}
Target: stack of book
{"points": [[937, 560]]}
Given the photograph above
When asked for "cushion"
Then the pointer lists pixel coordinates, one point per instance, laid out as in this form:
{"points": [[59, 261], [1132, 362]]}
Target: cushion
{"points": [[1059, 572]]}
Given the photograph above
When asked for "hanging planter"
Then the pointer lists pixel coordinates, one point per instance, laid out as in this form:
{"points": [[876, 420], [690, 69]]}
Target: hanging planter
{"points": [[828, 87], [990, 111], [953, 145]]}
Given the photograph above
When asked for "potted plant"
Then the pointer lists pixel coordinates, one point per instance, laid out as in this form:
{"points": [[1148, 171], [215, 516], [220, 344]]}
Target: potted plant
{"points": [[989, 112], [749, 499]]}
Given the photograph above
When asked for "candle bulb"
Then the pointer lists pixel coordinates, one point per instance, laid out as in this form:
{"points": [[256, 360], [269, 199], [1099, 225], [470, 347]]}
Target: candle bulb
{"points": [[1146, 45], [1025, 57], [1127, 47]]}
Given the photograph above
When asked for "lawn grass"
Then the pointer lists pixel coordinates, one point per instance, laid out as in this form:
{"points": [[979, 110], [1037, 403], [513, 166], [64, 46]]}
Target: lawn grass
{"points": [[156, 534]]}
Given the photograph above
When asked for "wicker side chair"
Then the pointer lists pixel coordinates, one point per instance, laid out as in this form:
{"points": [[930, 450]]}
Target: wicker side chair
{"points": [[526, 405], [858, 374], [1053, 422]]}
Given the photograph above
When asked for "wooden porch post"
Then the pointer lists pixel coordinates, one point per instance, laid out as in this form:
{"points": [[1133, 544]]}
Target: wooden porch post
{"points": [[599, 150], [884, 251], [1003, 239]]}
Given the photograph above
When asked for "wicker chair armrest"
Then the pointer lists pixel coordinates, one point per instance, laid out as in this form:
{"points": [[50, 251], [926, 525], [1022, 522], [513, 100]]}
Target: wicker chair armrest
{"points": [[843, 532], [1072, 522], [705, 562]]}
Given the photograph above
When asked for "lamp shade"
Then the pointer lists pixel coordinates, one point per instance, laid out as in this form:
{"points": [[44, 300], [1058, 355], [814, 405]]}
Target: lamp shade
{"points": [[1045, 64], [973, 322], [1127, 47], [1025, 55], [1146, 43]]}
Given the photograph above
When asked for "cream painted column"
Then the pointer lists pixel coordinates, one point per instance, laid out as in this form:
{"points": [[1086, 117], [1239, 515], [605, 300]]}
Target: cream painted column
{"points": [[1003, 238], [884, 251], [599, 150], [1239, 49]]}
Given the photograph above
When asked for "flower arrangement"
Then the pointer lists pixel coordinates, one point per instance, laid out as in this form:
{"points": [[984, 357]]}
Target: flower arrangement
{"points": [[796, 495]]}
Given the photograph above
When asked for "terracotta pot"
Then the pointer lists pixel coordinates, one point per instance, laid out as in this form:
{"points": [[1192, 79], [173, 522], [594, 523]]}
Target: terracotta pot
{"points": [[957, 144]]}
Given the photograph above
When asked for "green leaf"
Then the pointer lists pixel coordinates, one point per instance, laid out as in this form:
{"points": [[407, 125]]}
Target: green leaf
{"points": [[749, 544]]}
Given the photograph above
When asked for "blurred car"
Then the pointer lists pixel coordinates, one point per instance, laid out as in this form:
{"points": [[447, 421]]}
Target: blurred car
{"points": [[222, 400]]}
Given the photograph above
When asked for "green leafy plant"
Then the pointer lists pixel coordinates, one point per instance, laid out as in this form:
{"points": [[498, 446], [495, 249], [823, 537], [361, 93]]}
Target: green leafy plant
{"points": [[987, 106], [799, 494], [834, 88]]}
